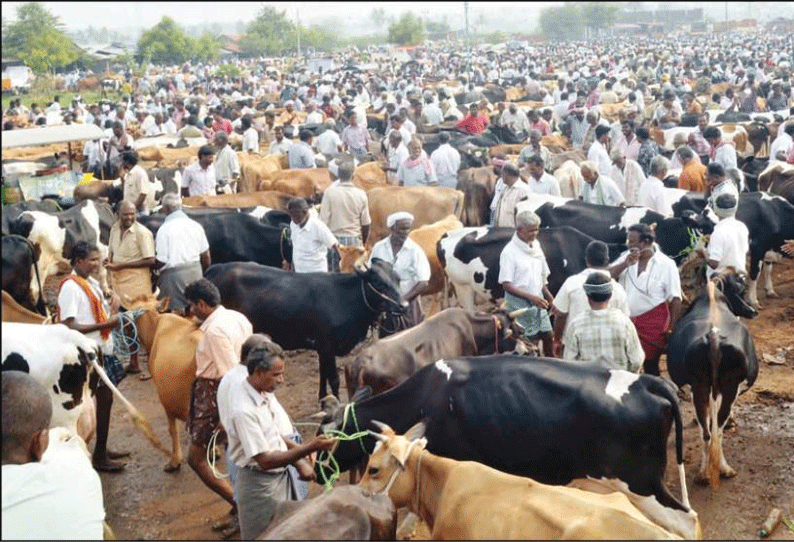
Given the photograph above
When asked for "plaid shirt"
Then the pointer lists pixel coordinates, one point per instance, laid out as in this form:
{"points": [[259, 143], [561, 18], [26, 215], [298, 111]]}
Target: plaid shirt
{"points": [[606, 337]]}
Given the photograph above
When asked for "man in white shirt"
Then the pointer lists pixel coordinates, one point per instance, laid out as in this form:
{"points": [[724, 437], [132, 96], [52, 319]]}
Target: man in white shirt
{"points": [[311, 239], [328, 142], [182, 252], [411, 266], [49, 490], [720, 152], [515, 190], [782, 144], [516, 121], [227, 165], [651, 193], [314, 116], [571, 299], [597, 188], [627, 174], [198, 179], [540, 182], [446, 162], [729, 242], [137, 188], [598, 151], [653, 292], [431, 112], [260, 445], [396, 153], [279, 145], [250, 136]]}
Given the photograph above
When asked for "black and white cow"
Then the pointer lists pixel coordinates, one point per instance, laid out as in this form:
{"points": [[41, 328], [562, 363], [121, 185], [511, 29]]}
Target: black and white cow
{"points": [[59, 359], [56, 233], [535, 417], [470, 258], [712, 351], [769, 219], [676, 237]]}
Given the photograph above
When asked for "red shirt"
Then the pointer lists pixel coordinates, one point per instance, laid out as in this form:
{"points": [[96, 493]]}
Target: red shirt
{"points": [[473, 125], [222, 125], [542, 126]]}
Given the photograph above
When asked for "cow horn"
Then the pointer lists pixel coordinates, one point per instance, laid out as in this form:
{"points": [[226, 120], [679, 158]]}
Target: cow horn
{"points": [[318, 415], [516, 313], [381, 437], [384, 429]]}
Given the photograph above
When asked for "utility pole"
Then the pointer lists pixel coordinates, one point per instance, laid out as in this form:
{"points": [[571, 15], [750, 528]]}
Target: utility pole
{"points": [[298, 31], [468, 40]]}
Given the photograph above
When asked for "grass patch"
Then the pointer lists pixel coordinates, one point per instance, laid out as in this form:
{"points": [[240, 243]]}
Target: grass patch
{"points": [[43, 92]]}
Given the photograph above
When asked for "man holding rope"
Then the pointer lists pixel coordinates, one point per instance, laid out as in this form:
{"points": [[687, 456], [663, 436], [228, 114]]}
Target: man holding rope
{"points": [[260, 434], [130, 260], [82, 307]]}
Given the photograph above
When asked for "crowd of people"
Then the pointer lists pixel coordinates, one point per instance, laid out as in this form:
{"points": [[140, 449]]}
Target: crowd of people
{"points": [[619, 314]]}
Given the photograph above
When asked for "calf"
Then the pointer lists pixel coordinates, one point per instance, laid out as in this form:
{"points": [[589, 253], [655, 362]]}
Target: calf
{"points": [[573, 420], [448, 334], [712, 351], [468, 500], [470, 257]]}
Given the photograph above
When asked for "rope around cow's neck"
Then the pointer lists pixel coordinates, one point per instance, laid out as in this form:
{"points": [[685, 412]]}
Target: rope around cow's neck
{"points": [[126, 345], [330, 462]]}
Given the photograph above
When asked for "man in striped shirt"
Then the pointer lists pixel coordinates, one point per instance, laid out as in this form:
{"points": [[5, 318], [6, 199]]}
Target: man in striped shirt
{"points": [[355, 137]]}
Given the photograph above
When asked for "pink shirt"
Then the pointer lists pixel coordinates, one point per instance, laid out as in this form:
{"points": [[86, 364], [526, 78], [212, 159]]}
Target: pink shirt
{"points": [[224, 333]]}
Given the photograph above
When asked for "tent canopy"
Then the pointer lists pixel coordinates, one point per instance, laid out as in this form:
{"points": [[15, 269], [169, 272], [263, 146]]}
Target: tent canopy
{"points": [[47, 135]]}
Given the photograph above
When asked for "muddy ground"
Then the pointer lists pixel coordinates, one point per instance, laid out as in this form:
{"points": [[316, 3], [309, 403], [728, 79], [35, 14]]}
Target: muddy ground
{"points": [[143, 502]]}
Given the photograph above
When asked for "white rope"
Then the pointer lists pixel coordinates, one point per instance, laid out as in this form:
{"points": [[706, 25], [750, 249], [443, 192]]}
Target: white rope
{"points": [[123, 345], [212, 457]]}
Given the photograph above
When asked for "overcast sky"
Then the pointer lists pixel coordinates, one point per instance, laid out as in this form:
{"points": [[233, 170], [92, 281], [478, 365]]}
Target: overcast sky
{"points": [[124, 15]]}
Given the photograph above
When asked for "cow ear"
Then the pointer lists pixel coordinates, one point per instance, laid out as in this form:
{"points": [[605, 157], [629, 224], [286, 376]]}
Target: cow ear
{"points": [[163, 305], [417, 431]]}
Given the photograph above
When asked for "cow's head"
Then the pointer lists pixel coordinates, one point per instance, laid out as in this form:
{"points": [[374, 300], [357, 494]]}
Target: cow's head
{"points": [[733, 286], [390, 470], [383, 286], [336, 416], [509, 332]]}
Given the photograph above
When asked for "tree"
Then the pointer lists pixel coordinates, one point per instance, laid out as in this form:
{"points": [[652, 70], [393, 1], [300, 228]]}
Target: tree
{"points": [[434, 27], [268, 34], [378, 17], [207, 47], [38, 39], [409, 30], [599, 15], [562, 22], [166, 43]]}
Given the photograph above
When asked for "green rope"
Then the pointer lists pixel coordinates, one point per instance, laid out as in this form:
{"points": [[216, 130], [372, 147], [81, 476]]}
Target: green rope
{"points": [[328, 481], [694, 239]]}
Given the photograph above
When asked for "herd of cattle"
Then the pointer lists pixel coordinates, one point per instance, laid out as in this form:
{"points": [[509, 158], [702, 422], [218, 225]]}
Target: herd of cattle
{"points": [[583, 422]]}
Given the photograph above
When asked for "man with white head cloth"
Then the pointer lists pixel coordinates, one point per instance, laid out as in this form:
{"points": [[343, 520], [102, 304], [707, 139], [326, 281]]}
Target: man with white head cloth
{"points": [[411, 266], [729, 242]]}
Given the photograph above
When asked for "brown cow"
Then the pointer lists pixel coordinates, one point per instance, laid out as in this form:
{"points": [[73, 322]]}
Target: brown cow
{"points": [[88, 84], [427, 237], [256, 172], [369, 175], [428, 204], [505, 148], [267, 198], [778, 179], [304, 183], [94, 190], [736, 134]]}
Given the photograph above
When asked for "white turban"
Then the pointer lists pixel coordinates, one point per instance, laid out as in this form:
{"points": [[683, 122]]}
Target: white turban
{"points": [[333, 168], [400, 215]]}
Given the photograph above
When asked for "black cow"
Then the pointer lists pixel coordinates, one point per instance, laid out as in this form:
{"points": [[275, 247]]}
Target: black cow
{"points": [[533, 417], [326, 312], [769, 219], [470, 257], [752, 167], [610, 224], [19, 258], [236, 236], [712, 351]]}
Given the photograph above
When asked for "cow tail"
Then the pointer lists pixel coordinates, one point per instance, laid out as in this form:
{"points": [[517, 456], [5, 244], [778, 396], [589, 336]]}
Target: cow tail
{"points": [[459, 205], [138, 419], [714, 406], [661, 389]]}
